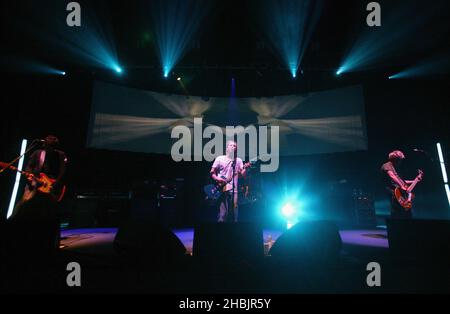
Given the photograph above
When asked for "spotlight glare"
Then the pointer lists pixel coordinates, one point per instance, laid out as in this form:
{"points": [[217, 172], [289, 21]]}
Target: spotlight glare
{"points": [[118, 69], [166, 72], [178, 78], [63, 73], [288, 210]]}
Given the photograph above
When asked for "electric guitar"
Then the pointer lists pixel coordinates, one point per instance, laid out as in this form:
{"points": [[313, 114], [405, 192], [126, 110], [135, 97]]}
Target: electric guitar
{"points": [[404, 198], [44, 183], [214, 191]]}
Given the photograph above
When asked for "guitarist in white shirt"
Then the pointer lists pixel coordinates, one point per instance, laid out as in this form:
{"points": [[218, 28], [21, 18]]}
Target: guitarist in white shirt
{"points": [[393, 181], [222, 173]]}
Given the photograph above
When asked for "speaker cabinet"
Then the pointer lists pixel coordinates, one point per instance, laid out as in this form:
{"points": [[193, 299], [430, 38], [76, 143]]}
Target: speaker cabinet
{"points": [[309, 242], [227, 242], [140, 241]]}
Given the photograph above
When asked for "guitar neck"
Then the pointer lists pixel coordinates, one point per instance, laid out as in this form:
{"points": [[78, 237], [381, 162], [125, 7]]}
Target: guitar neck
{"points": [[413, 185], [20, 171]]}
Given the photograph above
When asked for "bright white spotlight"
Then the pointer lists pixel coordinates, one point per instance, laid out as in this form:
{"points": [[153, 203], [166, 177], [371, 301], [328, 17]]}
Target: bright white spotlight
{"points": [[178, 78], [288, 210], [118, 69], [63, 73]]}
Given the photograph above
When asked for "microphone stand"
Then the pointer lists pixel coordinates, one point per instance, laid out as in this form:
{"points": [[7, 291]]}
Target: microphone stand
{"points": [[424, 152], [233, 186], [33, 144]]}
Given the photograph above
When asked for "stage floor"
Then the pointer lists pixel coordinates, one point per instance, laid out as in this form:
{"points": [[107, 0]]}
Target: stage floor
{"points": [[94, 239]]}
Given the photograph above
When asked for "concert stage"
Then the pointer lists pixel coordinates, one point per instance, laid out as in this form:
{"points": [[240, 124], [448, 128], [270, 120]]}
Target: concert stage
{"points": [[134, 127], [151, 268], [89, 240]]}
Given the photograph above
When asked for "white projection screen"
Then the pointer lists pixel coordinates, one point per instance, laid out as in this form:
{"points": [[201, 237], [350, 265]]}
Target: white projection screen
{"points": [[129, 119]]}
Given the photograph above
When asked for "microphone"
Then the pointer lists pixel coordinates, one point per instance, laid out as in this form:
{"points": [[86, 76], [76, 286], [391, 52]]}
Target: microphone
{"points": [[423, 152]]}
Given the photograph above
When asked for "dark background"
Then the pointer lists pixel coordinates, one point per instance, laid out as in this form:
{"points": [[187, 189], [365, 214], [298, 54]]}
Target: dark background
{"points": [[400, 114]]}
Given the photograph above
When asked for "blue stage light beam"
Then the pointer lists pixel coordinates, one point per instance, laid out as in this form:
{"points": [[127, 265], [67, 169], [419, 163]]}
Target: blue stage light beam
{"points": [[289, 25], [431, 67], [91, 44], [175, 24], [26, 65], [94, 45], [378, 45]]}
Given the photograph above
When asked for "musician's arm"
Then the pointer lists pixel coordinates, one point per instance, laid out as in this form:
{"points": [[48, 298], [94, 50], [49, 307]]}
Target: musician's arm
{"points": [[214, 176], [397, 180], [243, 171], [213, 173]]}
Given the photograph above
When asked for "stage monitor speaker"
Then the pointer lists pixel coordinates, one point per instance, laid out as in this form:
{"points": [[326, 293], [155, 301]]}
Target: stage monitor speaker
{"points": [[143, 242], [228, 242], [426, 240], [309, 242]]}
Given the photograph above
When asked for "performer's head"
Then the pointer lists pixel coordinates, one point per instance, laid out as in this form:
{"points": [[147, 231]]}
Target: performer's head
{"points": [[51, 142], [231, 148], [396, 156]]}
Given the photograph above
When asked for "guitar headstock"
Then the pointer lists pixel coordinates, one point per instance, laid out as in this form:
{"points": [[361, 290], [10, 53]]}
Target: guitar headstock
{"points": [[419, 173], [251, 162]]}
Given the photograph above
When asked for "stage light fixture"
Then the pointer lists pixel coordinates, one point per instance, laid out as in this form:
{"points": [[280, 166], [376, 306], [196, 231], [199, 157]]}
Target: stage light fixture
{"points": [[441, 161], [444, 171], [12, 202], [290, 25], [175, 23], [447, 191]]}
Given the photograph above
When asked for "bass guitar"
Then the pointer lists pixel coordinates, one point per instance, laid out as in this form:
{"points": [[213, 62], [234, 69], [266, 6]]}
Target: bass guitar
{"points": [[405, 198], [44, 184], [214, 191]]}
